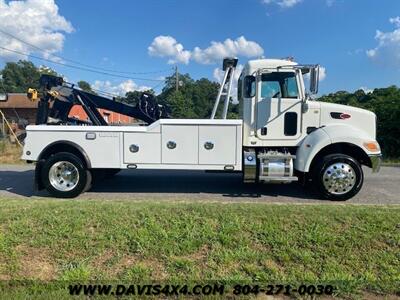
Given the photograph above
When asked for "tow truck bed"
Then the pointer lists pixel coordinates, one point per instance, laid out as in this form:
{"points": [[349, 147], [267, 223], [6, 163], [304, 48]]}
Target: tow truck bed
{"points": [[165, 144]]}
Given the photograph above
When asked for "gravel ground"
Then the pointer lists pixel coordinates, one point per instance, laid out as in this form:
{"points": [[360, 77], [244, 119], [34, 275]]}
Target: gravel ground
{"points": [[16, 181]]}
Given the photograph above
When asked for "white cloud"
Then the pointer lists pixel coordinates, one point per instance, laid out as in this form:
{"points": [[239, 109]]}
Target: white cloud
{"points": [[229, 48], [36, 21], [387, 52], [219, 75], [119, 89], [366, 90], [283, 3], [395, 21], [167, 46]]}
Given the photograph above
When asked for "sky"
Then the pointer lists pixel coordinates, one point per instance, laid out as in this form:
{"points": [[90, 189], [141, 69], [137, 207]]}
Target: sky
{"points": [[356, 42]]}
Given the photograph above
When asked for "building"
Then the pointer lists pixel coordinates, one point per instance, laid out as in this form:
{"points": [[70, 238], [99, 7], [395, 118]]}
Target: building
{"points": [[109, 116], [17, 108]]}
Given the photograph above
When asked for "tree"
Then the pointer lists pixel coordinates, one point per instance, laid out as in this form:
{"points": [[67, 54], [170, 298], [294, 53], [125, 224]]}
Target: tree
{"points": [[85, 86], [180, 106], [197, 95], [132, 97], [170, 82], [19, 76]]}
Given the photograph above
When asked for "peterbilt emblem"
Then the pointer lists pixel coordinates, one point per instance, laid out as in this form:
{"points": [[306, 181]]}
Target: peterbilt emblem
{"points": [[340, 115]]}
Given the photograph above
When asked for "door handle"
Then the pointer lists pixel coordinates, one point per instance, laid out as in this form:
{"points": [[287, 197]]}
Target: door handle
{"points": [[134, 148], [208, 145], [171, 145]]}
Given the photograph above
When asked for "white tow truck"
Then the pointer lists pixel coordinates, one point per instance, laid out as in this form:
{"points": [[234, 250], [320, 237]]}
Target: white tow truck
{"points": [[283, 135]]}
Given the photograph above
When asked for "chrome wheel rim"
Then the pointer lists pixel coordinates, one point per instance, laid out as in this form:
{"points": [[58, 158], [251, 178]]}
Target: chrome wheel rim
{"points": [[63, 176], [339, 178]]}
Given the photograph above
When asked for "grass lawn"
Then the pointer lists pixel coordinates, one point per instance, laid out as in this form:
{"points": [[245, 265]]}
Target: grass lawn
{"points": [[356, 248]]}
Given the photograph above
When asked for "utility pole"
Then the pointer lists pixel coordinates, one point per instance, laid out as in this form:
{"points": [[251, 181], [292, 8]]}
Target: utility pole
{"points": [[176, 78]]}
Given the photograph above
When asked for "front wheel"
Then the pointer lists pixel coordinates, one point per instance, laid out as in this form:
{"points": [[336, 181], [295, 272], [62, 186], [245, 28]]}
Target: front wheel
{"points": [[64, 175], [338, 177]]}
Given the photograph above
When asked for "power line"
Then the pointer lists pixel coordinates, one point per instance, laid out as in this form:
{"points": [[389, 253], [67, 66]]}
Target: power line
{"points": [[119, 96], [106, 93], [79, 63], [80, 68], [156, 86]]}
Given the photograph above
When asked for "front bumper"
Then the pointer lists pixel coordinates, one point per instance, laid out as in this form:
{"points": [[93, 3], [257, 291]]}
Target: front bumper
{"points": [[376, 161]]}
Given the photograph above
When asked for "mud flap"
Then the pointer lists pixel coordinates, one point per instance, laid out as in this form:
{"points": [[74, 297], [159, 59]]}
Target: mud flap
{"points": [[38, 183]]}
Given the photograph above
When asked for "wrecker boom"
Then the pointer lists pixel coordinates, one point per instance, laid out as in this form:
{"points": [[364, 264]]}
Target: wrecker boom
{"points": [[58, 97]]}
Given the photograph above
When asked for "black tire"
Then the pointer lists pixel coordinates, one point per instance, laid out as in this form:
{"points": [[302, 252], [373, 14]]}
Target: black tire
{"points": [[89, 180], [322, 171], [81, 181]]}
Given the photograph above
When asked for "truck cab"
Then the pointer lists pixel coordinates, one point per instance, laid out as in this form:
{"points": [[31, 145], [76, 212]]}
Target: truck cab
{"points": [[283, 135], [288, 136]]}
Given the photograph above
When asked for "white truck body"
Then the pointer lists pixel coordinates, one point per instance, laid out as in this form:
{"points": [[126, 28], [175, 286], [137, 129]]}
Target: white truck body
{"points": [[109, 146], [282, 136]]}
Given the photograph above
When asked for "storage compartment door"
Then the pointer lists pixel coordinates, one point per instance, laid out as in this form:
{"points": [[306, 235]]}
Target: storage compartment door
{"points": [[217, 145], [142, 147], [179, 144]]}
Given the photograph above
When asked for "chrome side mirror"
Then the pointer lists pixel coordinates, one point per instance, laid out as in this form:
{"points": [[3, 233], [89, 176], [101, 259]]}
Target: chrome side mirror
{"points": [[314, 79]]}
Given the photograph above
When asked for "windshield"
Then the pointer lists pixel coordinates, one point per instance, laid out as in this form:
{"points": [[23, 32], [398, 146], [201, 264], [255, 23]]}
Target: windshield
{"points": [[279, 84]]}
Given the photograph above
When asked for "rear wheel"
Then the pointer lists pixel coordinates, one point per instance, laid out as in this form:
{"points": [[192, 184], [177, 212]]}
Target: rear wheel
{"points": [[338, 177], [64, 175]]}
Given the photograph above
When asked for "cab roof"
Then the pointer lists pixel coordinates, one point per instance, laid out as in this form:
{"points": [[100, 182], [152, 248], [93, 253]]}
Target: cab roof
{"points": [[256, 64]]}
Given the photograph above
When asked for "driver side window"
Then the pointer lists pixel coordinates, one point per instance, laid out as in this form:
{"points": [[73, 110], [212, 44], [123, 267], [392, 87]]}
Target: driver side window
{"points": [[279, 84]]}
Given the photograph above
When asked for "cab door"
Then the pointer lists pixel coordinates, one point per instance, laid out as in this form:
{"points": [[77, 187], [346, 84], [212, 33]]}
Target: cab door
{"points": [[279, 106]]}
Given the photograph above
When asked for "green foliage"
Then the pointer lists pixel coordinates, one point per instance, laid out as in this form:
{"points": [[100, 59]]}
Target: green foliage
{"points": [[133, 97], [85, 86], [180, 106], [197, 97], [19, 76], [385, 103]]}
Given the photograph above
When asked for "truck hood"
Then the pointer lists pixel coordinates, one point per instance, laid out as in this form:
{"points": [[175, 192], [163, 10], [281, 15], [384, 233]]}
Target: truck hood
{"points": [[359, 118]]}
